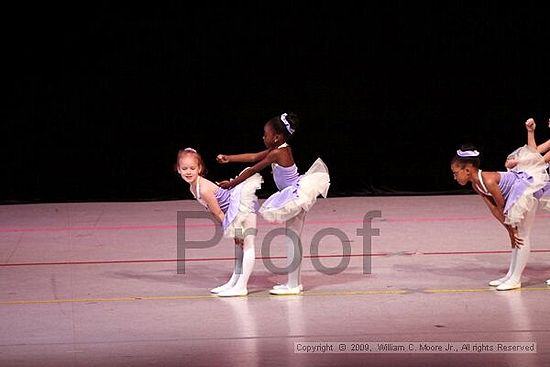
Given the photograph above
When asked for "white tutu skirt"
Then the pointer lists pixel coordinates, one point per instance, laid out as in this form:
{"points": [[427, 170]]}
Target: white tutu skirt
{"points": [[531, 162], [544, 197], [523, 195], [290, 201], [242, 202]]}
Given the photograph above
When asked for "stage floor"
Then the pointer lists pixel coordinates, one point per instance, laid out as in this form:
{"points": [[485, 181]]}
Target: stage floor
{"points": [[96, 284]]}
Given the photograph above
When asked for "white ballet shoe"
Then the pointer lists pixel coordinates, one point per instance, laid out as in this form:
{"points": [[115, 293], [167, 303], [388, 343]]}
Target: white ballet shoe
{"points": [[280, 286], [548, 282], [496, 283], [284, 291], [221, 288], [233, 293], [509, 285]]}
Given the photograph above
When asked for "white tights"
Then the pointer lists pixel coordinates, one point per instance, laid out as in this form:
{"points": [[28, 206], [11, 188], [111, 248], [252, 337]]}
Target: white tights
{"points": [[244, 260], [521, 255], [296, 225]]}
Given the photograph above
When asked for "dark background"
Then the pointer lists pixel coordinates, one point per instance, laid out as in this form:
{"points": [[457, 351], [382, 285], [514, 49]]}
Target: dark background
{"points": [[100, 97]]}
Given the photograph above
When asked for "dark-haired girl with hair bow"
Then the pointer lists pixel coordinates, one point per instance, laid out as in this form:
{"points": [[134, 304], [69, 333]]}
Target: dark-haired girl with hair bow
{"points": [[512, 197], [297, 193]]}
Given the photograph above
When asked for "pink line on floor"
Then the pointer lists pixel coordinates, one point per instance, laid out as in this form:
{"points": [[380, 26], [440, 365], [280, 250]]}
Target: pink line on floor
{"points": [[202, 225], [105, 228], [404, 253]]}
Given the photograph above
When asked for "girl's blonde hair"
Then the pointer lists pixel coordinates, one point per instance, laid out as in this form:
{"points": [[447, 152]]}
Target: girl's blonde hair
{"points": [[193, 152]]}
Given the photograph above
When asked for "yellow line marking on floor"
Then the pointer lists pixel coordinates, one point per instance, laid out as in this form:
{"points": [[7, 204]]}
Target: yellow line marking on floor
{"points": [[492, 289], [114, 299], [354, 293], [467, 290], [262, 295]]}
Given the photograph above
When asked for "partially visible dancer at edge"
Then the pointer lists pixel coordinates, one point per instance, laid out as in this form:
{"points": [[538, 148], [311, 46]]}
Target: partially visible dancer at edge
{"points": [[532, 158]]}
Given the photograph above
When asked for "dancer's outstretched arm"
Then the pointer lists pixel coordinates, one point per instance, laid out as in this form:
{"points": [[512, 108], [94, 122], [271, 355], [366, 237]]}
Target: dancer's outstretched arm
{"points": [[530, 125], [270, 157], [246, 157]]}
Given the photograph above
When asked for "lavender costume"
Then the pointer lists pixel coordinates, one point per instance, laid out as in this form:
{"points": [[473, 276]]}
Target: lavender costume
{"points": [[236, 203], [521, 192], [532, 163], [296, 192]]}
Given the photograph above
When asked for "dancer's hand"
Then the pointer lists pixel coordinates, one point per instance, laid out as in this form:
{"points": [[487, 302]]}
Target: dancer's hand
{"points": [[515, 240], [511, 163], [530, 125], [239, 242], [224, 184], [222, 158]]}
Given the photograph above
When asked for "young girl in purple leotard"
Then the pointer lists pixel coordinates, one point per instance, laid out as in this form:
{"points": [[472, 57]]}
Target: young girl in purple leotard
{"points": [[297, 193], [234, 208], [513, 198]]}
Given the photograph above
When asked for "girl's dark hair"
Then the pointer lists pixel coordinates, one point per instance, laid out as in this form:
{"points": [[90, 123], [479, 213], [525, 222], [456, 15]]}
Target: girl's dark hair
{"points": [[280, 127], [462, 161]]}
